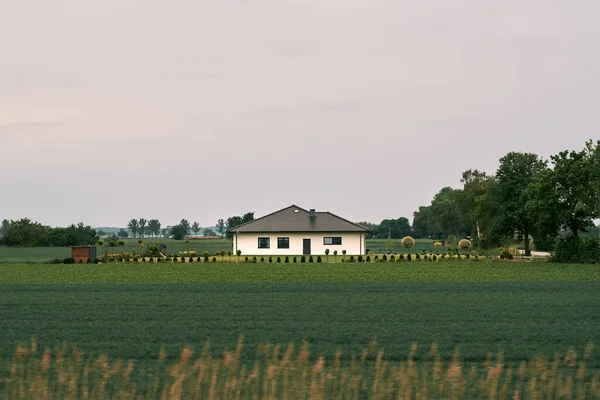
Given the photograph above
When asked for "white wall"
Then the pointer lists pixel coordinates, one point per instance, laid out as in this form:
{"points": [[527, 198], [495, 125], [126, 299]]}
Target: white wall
{"points": [[353, 242]]}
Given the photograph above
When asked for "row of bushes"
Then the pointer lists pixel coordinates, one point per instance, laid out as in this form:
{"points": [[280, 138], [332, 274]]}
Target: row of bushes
{"points": [[573, 249]]}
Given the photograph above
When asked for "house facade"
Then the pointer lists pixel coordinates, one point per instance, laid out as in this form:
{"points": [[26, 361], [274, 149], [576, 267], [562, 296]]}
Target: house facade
{"points": [[296, 231]]}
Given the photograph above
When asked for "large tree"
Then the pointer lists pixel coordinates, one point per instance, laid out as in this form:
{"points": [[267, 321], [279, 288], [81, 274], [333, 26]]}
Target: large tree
{"points": [[186, 225], [567, 195], [515, 173], [4, 226], [133, 227], [393, 228], [447, 208]]}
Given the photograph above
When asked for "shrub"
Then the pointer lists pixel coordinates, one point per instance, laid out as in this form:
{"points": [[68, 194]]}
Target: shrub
{"points": [[217, 253], [287, 259], [246, 259], [401, 257], [303, 259], [384, 257], [505, 255], [434, 258], [88, 261], [360, 258], [310, 259], [407, 242], [417, 256], [392, 258], [352, 258], [262, 259], [450, 240], [376, 258], [214, 259], [278, 259], [295, 260], [408, 257], [270, 259], [81, 261], [254, 259], [205, 254], [572, 249], [465, 244], [318, 259], [205, 258]]}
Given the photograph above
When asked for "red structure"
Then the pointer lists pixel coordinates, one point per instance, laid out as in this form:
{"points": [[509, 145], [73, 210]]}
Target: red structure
{"points": [[82, 253]]}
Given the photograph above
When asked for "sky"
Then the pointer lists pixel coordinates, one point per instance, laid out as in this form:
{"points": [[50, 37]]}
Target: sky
{"points": [[120, 109]]}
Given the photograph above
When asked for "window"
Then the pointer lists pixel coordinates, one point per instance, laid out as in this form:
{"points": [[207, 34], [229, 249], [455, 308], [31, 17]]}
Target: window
{"points": [[332, 240], [264, 242], [283, 242]]}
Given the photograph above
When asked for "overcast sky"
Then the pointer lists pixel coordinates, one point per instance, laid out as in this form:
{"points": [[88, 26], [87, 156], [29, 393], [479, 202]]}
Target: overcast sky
{"points": [[203, 109]]}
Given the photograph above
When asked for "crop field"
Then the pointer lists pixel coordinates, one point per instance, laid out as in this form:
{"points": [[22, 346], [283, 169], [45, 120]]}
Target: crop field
{"points": [[516, 310]]}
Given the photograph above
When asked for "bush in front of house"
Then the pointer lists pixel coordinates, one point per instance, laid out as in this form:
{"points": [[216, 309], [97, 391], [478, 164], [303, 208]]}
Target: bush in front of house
{"points": [[318, 259], [310, 259]]}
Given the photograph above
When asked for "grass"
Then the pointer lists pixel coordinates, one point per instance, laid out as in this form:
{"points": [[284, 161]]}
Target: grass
{"points": [[144, 273], [288, 373]]}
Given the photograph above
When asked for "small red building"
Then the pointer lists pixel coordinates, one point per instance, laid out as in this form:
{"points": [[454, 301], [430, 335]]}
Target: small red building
{"points": [[82, 253]]}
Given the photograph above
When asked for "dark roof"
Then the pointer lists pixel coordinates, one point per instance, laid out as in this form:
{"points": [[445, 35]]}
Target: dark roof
{"points": [[296, 219]]}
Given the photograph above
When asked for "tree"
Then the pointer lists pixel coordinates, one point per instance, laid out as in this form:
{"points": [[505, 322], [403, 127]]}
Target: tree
{"points": [[133, 227], [448, 210], [178, 231], [142, 226], [27, 233], [208, 232], [4, 227], [164, 232], [220, 226], [154, 227], [234, 221], [123, 234], [515, 173], [196, 227], [393, 228], [186, 225], [372, 233]]}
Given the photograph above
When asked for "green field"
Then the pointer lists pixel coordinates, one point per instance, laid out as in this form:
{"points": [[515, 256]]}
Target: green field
{"points": [[41, 254], [130, 311]]}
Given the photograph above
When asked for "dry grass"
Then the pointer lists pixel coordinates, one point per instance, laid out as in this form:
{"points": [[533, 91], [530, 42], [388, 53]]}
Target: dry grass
{"points": [[290, 373]]}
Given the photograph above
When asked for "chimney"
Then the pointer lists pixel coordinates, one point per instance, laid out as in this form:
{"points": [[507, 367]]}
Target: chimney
{"points": [[313, 214]]}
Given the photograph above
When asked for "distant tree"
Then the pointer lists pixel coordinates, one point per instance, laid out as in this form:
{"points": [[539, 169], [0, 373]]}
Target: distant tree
{"points": [[186, 225], [154, 227], [208, 232], [394, 228], [234, 221], [143, 223], [25, 232], [196, 227], [122, 233], [112, 240], [372, 229], [101, 233], [220, 226], [4, 226], [133, 227], [164, 232], [179, 231]]}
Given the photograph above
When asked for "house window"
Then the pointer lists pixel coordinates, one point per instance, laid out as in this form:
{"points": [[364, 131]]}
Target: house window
{"points": [[332, 240], [283, 242], [264, 243]]}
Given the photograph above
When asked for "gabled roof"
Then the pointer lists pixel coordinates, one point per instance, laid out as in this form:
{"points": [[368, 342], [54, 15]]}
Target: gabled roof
{"points": [[296, 219]]}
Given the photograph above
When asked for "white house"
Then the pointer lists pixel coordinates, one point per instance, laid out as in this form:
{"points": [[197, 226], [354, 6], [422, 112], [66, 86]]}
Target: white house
{"points": [[295, 231]]}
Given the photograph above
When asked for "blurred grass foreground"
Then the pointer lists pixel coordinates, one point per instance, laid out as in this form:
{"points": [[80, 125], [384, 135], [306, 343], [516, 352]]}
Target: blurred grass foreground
{"points": [[67, 372]]}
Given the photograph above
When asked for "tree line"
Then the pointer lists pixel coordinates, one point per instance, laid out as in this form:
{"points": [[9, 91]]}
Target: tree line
{"points": [[527, 198], [28, 233]]}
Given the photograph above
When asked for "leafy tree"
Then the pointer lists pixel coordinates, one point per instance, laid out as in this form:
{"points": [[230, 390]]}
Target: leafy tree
{"points": [[208, 232], [123, 233], [154, 227], [4, 226], [178, 231], [447, 209], [220, 226], [164, 232], [393, 228], [101, 233], [186, 225], [142, 226], [234, 221], [372, 227], [133, 227], [515, 173], [196, 227]]}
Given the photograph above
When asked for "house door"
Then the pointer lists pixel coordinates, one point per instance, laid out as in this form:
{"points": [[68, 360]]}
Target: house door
{"points": [[306, 247]]}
